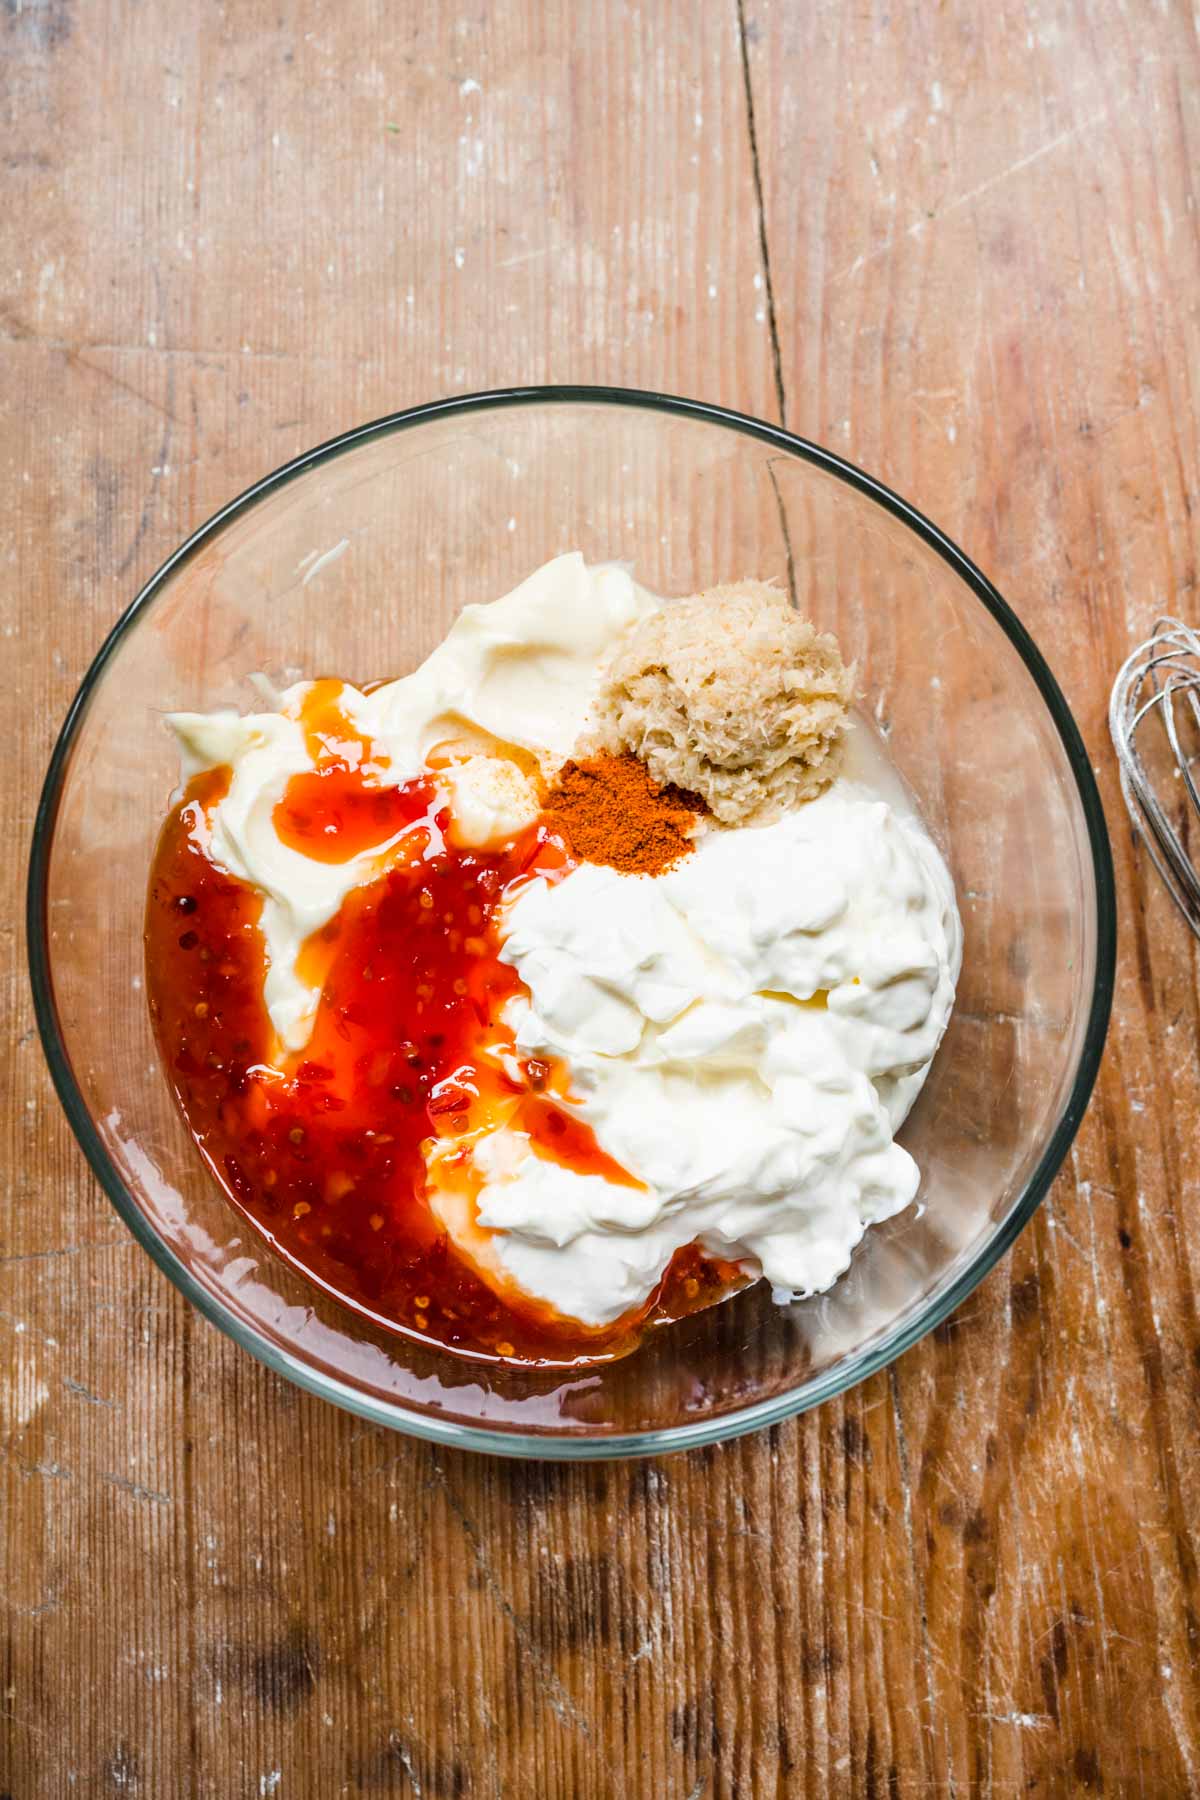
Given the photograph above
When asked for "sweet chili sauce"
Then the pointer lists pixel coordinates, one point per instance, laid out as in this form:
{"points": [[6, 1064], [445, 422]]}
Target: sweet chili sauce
{"points": [[322, 1150], [339, 808]]}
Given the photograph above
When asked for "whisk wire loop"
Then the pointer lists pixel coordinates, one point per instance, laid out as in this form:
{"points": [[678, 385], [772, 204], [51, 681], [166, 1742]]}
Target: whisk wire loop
{"points": [[1161, 674]]}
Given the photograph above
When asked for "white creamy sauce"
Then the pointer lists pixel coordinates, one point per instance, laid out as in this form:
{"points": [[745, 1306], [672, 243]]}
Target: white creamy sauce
{"points": [[744, 1033]]}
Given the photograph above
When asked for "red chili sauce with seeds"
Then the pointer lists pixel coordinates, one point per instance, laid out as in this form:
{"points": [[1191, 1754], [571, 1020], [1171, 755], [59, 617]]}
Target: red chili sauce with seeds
{"points": [[322, 1151]]}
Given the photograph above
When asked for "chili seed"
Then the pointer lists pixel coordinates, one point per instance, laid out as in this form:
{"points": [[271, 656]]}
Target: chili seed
{"points": [[296, 1134], [201, 1009]]}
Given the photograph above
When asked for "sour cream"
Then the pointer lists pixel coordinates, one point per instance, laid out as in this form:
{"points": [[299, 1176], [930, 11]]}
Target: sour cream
{"points": [[745, 1035]]}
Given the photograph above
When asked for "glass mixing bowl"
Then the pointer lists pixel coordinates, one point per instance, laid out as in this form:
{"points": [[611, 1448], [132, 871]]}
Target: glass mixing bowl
{"points": [[352, 561]]}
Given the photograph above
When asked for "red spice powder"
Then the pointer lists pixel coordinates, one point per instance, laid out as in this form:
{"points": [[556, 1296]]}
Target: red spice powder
{"points": [[610, 811]]}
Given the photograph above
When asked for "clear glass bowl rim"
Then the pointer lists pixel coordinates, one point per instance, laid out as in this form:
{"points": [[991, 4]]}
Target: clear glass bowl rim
{"points": [[500, 1440]]}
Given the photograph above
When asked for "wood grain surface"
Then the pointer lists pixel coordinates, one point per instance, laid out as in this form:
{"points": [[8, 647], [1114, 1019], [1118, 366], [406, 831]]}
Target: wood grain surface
{"points": [[957, 243]]}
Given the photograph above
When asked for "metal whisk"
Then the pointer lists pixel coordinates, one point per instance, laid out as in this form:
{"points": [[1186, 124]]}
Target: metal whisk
{"points": [[1162, 676]]}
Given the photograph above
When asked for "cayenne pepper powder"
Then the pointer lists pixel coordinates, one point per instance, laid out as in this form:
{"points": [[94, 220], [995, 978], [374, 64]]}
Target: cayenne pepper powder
{"points": [[611, 811]]}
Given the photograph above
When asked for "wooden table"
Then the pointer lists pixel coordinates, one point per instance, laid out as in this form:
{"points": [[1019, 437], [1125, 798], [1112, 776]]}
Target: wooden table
{"points": [[957, 243]]}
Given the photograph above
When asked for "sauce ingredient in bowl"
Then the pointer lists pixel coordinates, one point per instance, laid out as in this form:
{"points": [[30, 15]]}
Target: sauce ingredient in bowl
{"points": [[732, 696], [612, 811], [520, 1051], [324, 1150]]}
